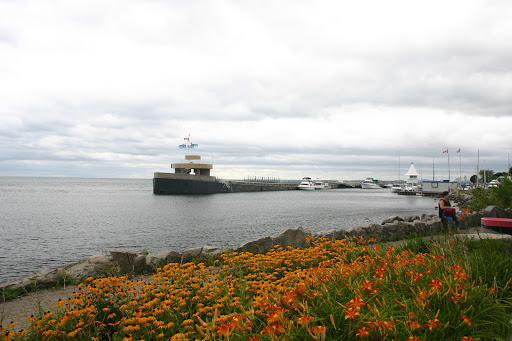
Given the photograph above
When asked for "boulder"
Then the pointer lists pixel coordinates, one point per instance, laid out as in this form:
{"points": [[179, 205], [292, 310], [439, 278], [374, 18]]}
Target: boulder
{"points": [[397, 230], [494, 212], [168, 256], [428, 217], [391, 220], [291, 237], [411, 218], [90, 266], [129, 262]]}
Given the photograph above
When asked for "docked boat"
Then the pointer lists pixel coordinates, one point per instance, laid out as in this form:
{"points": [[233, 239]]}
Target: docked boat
{"points": [[193, 177], [321, 184], [396, 188], [306, 184], [369, 183]]}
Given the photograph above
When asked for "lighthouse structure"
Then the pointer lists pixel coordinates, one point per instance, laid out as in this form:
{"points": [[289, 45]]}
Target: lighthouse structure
{"points": [[412, 177]]}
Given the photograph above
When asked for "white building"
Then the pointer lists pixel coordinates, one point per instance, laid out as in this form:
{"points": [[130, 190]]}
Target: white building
{"points": [[411, 177], [431, 187]]}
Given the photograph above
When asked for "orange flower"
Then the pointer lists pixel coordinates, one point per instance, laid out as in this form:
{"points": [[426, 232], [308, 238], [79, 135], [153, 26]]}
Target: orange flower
{"points": [[436, 284], [225, 330], [417, 277], [304, 320], [366, 285], [355, 302], [351, 313], [414, 325], [467, 338], [423, 294], [466, 320], [362, 332], [432, 324], [460, 275], [318, 332], [413, 338]]}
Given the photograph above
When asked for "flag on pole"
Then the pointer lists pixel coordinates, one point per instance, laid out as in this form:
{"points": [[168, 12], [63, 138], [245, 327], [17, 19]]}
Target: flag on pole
{"points": [[182, 146], [192, 145], [458, 151], [187, 138], [446, 151]]}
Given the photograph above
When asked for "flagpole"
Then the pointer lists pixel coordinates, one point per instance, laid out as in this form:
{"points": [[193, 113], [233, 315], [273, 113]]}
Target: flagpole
{"points": [[460, 166], [448, 153]]}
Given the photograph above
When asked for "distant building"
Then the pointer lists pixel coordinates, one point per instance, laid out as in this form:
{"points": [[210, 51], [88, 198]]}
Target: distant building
{"points": [[411, 177], [431, 187]]}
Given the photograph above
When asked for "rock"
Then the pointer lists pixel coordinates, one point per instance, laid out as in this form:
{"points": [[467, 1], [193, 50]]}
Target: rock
{"points": [[397, 230], [494, 212], [290, 237], [170, 257], [90, 266], [411, 218], [391, 220], [129, 262], [428, 217]]}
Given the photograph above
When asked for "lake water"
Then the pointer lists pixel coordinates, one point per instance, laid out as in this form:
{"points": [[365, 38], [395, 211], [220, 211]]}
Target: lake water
{"points": [[48, 222]]}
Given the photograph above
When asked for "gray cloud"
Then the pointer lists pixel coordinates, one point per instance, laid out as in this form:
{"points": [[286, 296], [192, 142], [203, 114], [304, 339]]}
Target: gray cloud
{"points": [[290, 88]]}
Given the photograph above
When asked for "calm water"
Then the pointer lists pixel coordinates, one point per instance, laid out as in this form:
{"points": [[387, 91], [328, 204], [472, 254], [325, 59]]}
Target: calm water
{"points": [[48, 222]]}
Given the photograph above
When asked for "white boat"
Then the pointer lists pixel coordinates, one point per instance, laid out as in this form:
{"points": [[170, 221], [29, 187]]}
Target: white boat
{"points": [[397, 188], [306, 184], [369, 183], [321, 184], [494, 183]]}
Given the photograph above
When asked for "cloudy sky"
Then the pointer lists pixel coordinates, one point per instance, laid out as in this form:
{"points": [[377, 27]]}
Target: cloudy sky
{"points": [[331, 89]]}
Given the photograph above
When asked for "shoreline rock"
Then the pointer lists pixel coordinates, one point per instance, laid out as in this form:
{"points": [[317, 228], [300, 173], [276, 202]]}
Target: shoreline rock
{"points": [[132, 263]]}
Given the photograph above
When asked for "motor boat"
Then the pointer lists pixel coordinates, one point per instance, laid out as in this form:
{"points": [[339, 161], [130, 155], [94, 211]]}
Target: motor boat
{"points": [[306, 184], [396, 188], [369, 183], [321, 184]]}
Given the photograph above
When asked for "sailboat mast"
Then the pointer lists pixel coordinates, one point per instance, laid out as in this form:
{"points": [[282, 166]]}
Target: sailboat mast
{"points": [[433, 169]]}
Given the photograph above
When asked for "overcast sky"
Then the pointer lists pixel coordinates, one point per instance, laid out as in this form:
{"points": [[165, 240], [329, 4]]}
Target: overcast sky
{"points": [[330, 89]]}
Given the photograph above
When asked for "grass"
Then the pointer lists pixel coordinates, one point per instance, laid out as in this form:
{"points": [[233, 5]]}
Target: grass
{"points": [[442, 288]]}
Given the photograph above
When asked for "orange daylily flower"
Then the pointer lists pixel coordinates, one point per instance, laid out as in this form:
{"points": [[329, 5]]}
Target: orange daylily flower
{"points": [[318, 332], [225, 329], [304, 320], [366, 285], [466, 320], [436, 284], [351, 313], [414, 325], [362, 332], [432, 324], [355, 302]]}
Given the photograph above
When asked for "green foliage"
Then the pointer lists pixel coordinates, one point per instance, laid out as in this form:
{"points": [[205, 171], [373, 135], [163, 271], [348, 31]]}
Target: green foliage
{"points": [[500, 196], [486, 174], [9, 294], [481, 199]]}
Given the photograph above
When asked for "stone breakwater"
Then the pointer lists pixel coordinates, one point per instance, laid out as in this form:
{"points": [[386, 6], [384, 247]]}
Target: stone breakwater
{"points": [[130, 263]]}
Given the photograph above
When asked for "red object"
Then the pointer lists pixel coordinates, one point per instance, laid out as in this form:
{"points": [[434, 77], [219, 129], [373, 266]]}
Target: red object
{"points": [[497, 222], [449, 212]]}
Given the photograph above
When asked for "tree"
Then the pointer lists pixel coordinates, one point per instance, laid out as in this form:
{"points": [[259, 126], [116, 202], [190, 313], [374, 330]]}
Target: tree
{"points": [[486, 174], [497, 175]]}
